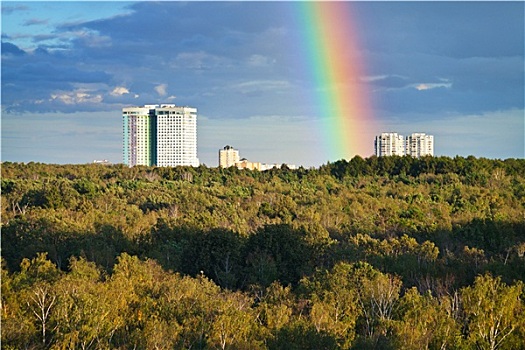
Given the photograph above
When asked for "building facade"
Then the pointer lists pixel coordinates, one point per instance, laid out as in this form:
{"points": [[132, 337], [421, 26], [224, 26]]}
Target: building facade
{"points": [[137, 132], [389, 144], [246, 164], [161, 135], [419, 145], [416, 145], [228, 156], [176, 141]]}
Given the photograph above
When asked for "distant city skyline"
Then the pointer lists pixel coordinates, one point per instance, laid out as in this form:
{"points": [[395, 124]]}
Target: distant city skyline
{"points": [[454, 70]]}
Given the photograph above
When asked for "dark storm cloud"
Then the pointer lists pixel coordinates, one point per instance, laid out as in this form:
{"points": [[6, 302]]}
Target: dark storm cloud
{"points": [[469, 55], [8, 9], [30, 80], [47, 71], [452, 29], [419, 56], [36, 21], [172, 27], [11, 49], [197, 46], [453, 68]]}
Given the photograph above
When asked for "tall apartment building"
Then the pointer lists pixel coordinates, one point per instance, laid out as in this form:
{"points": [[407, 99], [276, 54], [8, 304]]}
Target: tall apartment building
{"points": [[161, 135], [138, 123], [228, 156], [419, 145], [389, 144]]}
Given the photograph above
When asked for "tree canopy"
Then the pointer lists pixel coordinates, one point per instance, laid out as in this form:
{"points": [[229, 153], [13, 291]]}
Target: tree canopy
{"points": [[383, 253]]}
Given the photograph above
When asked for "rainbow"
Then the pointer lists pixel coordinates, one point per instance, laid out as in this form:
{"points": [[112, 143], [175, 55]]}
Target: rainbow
{"points": [[329, 44]]}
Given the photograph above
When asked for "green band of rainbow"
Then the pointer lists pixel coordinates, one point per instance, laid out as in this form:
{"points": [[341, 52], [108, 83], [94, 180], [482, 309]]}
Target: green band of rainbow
{"points": [[329, 43]]}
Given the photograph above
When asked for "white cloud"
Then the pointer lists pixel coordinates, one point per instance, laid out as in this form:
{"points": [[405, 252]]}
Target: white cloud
{"points": [[428, 86], [399, 82], [259, 61], [76, 96], [371, 78], [261, 85], [199, 60], [119, 91], [93, 39], [161, 89]]}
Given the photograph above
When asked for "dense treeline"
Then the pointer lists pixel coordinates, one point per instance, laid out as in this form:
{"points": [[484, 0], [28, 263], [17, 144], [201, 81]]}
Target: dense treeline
{"points": [[385, 253]]}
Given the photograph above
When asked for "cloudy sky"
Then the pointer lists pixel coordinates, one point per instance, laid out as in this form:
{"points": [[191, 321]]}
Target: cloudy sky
{"points": [[451, 69]]}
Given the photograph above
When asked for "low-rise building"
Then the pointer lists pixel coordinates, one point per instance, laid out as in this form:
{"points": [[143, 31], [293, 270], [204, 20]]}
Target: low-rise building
{"points": [[246, 164], [229, 156]]}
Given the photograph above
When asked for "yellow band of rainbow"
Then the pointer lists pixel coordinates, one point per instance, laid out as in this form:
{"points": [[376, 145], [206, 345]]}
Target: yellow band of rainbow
{"points": [[334, 64]]}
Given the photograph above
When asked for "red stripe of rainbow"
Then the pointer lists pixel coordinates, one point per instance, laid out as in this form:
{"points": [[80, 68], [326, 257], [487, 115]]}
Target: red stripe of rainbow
{"points": [[329, 42]]}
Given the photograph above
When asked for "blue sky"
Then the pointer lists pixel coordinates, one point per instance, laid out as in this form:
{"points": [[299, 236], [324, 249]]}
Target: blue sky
{"points": [[451, 69]]}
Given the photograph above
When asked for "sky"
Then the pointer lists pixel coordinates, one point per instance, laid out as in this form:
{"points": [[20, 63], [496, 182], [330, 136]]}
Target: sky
{"points": [[454, 70]]}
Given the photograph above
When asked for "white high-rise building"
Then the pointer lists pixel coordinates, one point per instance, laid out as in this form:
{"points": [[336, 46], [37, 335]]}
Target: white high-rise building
{"points": [[162, 135], [419, 145], [176, 141], [389, 144], [228, 156]]}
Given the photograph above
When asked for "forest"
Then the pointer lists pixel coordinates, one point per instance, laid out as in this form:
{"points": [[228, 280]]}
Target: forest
{"points": [[366, 253]]}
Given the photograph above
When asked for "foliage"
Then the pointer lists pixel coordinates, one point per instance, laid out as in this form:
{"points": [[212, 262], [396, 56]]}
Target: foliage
{"points": [[384, 253]]}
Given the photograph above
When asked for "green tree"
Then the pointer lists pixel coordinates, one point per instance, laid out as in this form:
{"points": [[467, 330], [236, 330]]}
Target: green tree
{"points": [[86, 315], [277, 252], [217, 254], [493, 313], [301, 335], [424, 323], [19, 330], [377, 296], [34, 302], [334, 299], [233, 325], [276, 307]]}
